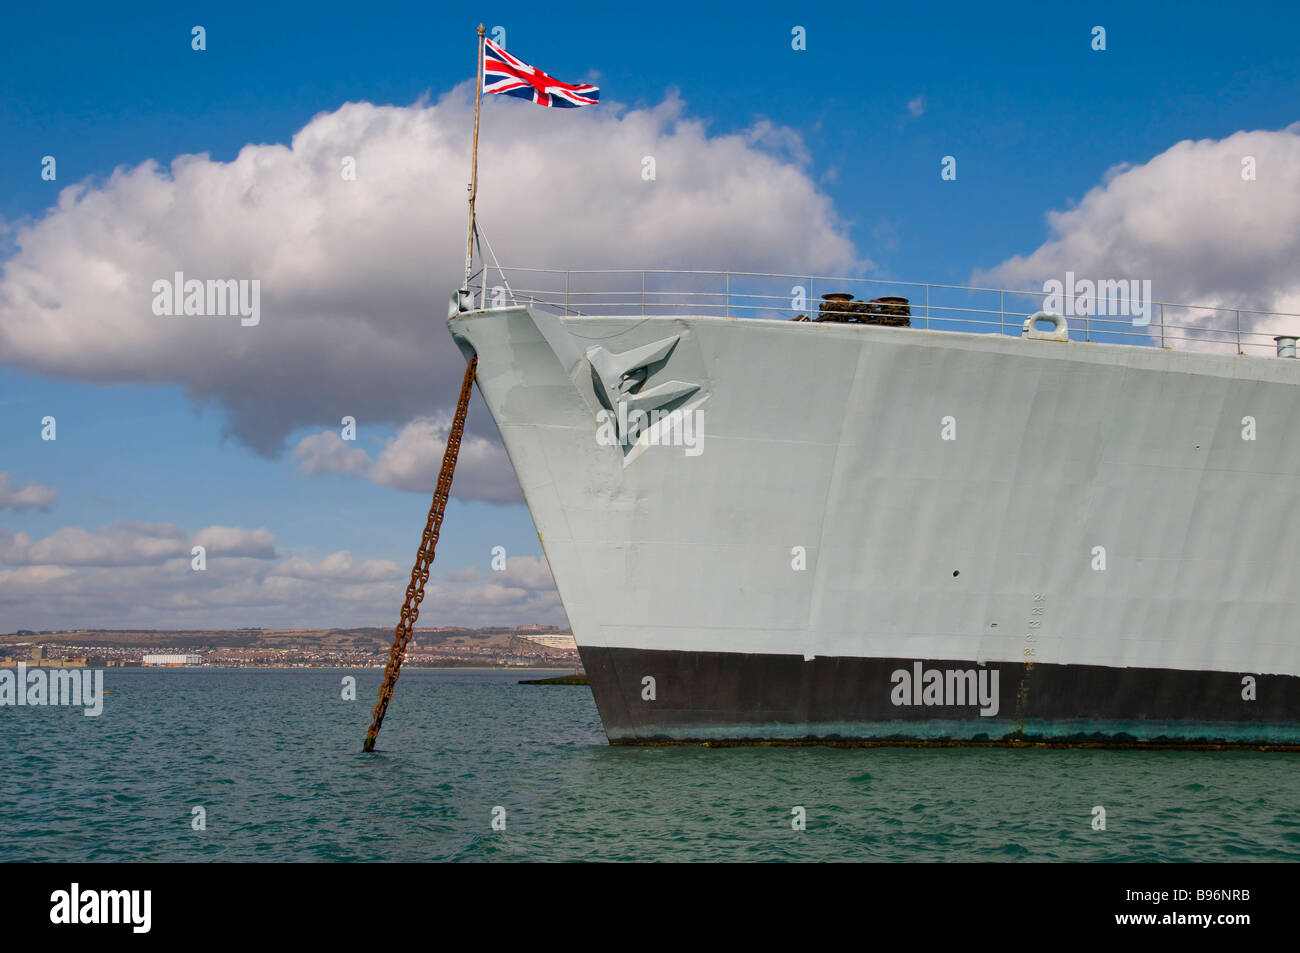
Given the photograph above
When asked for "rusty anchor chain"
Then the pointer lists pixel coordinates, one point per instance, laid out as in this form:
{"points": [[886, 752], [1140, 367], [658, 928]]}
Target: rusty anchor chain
{"points": [[423, 558]]}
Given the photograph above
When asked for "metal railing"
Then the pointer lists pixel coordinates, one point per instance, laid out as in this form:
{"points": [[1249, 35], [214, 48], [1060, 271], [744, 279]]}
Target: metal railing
{"points": [[1113, 319]]}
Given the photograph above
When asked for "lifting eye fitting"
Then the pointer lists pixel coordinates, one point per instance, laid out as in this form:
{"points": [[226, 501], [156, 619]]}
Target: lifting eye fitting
{"points": [[423, 558]]}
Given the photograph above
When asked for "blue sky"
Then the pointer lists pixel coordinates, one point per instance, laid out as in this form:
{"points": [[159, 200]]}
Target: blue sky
{"points": [[1034, 116]]}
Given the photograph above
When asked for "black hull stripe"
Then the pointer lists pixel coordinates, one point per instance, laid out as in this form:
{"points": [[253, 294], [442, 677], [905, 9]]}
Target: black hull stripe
{"points": [[734, 698]]}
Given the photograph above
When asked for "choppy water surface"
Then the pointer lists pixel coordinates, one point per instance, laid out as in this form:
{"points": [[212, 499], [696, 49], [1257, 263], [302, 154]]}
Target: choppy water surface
{"points": [[273, 756]]}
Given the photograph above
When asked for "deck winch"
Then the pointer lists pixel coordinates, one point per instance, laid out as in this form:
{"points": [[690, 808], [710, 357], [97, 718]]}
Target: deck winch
{"points": [[839, 307]]}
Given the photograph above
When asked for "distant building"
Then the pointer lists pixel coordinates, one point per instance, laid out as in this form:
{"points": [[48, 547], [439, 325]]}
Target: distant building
{"points": [[41, 659], [172, 660], [560, 640]]}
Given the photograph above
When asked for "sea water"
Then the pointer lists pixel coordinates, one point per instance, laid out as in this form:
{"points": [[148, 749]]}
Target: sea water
{"points": [[247, 764]]}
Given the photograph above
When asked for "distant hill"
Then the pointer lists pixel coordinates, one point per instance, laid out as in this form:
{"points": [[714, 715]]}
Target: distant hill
{"points": [[209, 639]]}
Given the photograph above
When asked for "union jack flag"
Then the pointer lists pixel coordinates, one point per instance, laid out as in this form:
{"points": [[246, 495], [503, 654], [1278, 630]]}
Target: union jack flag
{"points": [[503, 73]]}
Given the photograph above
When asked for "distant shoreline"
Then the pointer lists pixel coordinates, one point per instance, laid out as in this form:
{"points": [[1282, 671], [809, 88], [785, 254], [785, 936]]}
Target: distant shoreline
{"points": [[450, 647]]}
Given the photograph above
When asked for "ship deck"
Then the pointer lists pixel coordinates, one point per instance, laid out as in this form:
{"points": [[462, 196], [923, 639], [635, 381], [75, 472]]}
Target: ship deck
{"points": [[1102, 311]]}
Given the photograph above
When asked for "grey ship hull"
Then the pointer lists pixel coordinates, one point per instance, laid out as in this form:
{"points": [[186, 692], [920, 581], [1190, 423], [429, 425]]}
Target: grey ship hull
{"points": [[830, 565]]}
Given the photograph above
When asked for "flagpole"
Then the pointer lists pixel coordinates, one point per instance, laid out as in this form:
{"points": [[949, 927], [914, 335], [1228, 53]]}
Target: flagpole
{"points": [[473, 176]]}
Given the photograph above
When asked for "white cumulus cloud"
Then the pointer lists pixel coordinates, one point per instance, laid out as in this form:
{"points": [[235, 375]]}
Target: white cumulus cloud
{"points": [[122, 544], [528, 572], [355, 274], [139, 574], [327, 452], [29, 497], [339, 566], [130, 543], [412, 459], [236, 541], [1191, 223]]}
